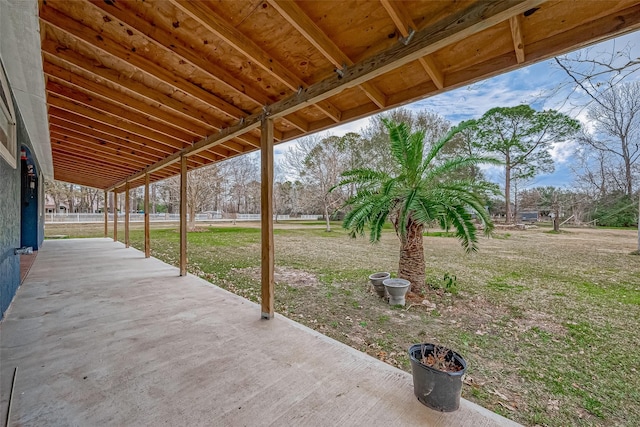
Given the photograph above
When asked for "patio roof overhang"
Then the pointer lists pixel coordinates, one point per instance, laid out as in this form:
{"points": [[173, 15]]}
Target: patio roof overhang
{"points": [[132, 87]]}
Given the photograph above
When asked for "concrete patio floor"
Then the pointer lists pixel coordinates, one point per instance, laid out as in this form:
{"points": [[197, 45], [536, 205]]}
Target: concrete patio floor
{"points": [[103, 336]]}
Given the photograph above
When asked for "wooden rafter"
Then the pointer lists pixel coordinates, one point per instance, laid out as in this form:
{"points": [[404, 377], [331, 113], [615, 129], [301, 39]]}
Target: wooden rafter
{"points": [[63, 98], [124, 102], [158, 99], [100, 151], [310, 31], [404, 23], [175, 46], [65, 122], [242, 43], [133, 93], [516, 35], [172, 44], [110, 47]]}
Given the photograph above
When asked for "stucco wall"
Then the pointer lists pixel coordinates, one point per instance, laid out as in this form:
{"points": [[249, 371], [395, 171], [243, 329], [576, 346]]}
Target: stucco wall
{"points": [[10, 205]]}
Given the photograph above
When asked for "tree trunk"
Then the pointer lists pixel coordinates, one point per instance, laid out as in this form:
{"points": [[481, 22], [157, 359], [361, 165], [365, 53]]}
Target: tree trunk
{"points": [[153, 198], [507, 192], [556, 217], [412, 264], [326, 217], [192, 217]]}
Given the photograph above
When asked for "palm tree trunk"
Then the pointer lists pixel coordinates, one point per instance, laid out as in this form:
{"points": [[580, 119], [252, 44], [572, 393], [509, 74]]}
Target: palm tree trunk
{"points": [[412, 264]]}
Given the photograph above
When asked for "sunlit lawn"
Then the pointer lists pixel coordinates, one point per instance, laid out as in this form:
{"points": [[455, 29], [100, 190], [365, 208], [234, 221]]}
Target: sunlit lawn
{"points": [[547, 322]]}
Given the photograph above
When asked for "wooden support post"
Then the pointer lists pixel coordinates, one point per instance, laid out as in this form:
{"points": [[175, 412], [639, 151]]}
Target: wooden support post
{"points": [[183, 215], [105, 208], [115, 216], [266, 216], [127, 209], [147, 240]]}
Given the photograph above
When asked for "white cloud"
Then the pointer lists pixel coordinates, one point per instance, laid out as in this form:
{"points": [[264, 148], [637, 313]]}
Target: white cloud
{"points": [[562, 152], [354, 126]]}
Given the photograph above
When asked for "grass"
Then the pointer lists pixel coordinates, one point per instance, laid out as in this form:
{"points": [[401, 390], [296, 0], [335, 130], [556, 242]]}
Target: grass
{"points": [[547, 322]]}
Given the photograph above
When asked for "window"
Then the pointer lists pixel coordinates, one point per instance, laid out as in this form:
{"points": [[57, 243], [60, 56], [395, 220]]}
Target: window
{"points": [[8, 144]]}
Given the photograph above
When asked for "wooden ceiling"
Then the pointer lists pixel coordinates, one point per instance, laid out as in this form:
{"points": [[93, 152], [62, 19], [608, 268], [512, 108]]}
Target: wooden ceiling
{"points": [[133, 85]]}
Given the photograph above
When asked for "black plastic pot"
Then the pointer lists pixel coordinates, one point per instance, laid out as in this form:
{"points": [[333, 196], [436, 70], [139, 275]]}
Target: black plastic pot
{"points": [[436, 389]]}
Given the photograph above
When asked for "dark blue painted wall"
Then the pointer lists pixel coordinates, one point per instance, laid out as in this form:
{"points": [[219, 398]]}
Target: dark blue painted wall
{"points": [[10, 218], [29, 201]]}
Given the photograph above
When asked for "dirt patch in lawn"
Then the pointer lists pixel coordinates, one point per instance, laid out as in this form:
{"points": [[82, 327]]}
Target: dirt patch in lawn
{"points": [[282, 276]]}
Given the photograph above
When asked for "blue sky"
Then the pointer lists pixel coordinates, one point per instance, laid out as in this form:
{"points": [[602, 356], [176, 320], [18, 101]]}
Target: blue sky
{"points": [[530, 85]]}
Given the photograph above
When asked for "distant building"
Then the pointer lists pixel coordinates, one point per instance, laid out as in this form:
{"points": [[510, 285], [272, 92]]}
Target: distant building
{"points": [[50, 206], [528, 216]]}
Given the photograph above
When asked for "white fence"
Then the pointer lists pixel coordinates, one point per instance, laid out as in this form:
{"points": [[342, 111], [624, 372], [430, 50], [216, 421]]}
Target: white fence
{"points": [[164, 217]]}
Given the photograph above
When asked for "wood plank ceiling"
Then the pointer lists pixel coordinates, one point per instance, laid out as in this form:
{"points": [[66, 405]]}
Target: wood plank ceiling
{"points": [[132, 85]]}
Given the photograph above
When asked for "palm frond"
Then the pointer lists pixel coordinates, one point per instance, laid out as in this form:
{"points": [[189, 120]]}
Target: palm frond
{"points": [[421, 191], [461, 221]]}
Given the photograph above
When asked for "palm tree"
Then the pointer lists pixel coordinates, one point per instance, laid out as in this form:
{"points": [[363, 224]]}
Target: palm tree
{"points": [[420, 192]]}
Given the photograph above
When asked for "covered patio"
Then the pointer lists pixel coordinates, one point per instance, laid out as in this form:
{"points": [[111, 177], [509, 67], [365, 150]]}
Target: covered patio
{"points": [[103, 336], [136, 92], [141, 91]]}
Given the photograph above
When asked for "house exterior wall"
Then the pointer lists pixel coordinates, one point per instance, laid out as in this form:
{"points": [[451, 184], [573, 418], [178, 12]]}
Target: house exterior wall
{"points": [[10, 217]]}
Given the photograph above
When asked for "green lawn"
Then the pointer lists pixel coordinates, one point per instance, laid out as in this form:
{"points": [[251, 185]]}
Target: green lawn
{"points": [[548, 323]]}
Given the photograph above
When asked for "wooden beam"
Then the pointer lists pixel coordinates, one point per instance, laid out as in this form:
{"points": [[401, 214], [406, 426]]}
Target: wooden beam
{"points": [[607, 27], [205, 144], [106, 45], [105, 208], [70, 120], [71, 105], [86, 65], [189, 126], [516, 36], [85, 162], [82, 180], [318, 38], [68, 171], [171, 44], [229, 34], [477, 17], [595, 31], [404, 23], [88, 113], [177, 47], [106, 151], [147, 239], [127, 212], [64, 121], [266, 218], [115, 216], [183, 216], [432, 70], [70, 163], [171, 134]]}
